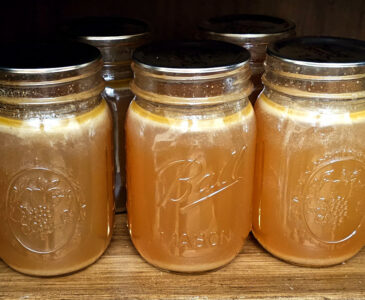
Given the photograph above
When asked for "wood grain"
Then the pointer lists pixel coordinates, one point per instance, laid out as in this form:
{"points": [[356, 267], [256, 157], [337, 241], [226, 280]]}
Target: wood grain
{"points": [[122, 274]]}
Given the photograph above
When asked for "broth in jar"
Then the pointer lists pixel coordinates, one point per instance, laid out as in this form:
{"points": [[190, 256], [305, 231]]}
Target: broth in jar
{"points": [[310, 160], [56, 169], [190, 136]]}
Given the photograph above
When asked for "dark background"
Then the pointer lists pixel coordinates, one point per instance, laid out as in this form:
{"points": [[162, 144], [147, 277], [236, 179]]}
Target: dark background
{"points": [[177, 19]]}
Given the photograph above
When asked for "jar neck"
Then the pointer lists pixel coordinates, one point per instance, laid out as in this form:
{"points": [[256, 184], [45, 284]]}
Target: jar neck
{"points": [[256, 44], [43, 112], [117, 54], [314, 81], [186, 112], [191, 89], [42, 94]]}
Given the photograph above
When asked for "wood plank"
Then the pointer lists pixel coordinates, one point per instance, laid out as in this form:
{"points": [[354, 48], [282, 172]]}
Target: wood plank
{"points": [[122, 273]]}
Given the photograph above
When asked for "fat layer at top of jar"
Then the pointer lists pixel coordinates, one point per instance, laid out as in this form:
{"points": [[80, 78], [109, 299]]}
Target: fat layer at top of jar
{"points": [[194, 123], [68, 126], [304, 113]]}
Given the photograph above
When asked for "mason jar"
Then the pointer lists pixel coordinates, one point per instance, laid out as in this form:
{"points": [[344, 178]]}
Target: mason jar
{"points": [[190, 140], [309, 203], [56, 167], [253, 32], [116, 38]]}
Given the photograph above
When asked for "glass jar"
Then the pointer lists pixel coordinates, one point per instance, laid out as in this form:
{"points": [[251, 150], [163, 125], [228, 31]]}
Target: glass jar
{"points": [[310, 160], [116, 38], [56, 167], [253, 32], [190, 138]]}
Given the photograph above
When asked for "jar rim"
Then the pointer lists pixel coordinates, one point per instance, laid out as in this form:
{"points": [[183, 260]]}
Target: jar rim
{"points": [[191, 57], [114, 38], [319, 51], [191, 70], [47, 57], [101, 29], [247, 26]]}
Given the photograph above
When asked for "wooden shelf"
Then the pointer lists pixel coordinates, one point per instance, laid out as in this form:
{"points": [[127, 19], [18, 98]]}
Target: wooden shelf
{"points": [[122, 273]]}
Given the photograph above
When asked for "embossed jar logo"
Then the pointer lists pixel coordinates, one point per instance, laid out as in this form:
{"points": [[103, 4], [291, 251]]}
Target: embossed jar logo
{"points": [[334, 199], [196, 189], [43, 208], [190, 182]]}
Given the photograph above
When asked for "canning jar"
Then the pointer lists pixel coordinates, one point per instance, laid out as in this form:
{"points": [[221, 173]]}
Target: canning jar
{"points": [[309, 191], [56, 167], [254, 32], [116, 38], [190, 137]]}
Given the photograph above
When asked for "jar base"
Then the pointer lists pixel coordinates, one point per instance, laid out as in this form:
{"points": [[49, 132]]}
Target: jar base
{"points": [[306, 262], [66, 271], [193, 269], [183, 269]]}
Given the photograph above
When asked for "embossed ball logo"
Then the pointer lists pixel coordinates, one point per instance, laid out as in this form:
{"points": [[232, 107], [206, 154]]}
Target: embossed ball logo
{"points": [[334, 203], [189, 183], [43, 209]]}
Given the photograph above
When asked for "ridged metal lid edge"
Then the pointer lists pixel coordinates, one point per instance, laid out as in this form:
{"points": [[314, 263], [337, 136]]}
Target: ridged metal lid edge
{"points": [[189, 57], [318, 51], [21, 58], [208, 26]]}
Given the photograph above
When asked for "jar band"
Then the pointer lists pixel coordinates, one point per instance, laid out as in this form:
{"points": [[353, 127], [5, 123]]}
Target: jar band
{"points": [[191, 100], [302, 76], [244, 70], [51, 100], [306, 94]]}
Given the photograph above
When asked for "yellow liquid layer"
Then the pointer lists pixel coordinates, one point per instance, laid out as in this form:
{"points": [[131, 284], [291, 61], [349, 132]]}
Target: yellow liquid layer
{"points": [[309, 183], [189, 187], [56, 192], [55, 124], [311, 116], [191, 123]]}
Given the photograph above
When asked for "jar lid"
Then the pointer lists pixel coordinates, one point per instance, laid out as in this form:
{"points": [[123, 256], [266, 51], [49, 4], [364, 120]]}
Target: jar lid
{"points": [[191, 56], [250, 26], [319, 51], [106, 28], [46, 57]]}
